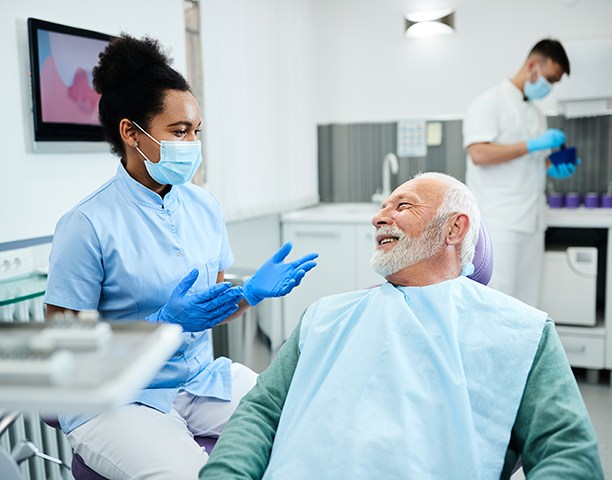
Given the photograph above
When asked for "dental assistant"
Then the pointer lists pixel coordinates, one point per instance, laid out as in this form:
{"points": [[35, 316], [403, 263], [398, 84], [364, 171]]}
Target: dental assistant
{"points": [[149, 245], [507, 142]]}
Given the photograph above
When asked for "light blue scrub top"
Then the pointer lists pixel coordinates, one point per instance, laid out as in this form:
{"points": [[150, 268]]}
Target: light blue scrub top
{"points": [[122, 250]]}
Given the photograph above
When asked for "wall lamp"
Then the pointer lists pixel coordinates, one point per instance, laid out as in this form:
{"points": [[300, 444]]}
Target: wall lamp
{"points": [[430, 23]]}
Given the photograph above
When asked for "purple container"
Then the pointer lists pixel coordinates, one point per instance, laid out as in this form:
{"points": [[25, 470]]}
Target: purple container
{"points": [[591, 200], [572, 200], [555, 200], [606, 201], [563, 155]]}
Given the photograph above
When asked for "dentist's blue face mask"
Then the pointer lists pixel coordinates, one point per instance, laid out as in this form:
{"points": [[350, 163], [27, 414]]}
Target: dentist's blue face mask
{"points": [[178, 161], [538, 89]]}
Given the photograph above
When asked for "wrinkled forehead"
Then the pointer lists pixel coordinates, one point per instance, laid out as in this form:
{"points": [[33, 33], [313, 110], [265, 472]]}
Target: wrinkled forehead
{"points": [[427, 191]]}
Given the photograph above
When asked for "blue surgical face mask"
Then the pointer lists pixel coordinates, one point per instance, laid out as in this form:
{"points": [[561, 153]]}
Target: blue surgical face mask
{"points": [[178, 161], [538, 89]]}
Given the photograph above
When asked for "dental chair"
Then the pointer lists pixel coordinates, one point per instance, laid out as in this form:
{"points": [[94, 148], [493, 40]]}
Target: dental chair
{"points": [[483, 269], [483, 257]]}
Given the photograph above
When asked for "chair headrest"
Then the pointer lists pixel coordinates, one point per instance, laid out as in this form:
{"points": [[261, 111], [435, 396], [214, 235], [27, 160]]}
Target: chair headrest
{"points": [[483, 257]]}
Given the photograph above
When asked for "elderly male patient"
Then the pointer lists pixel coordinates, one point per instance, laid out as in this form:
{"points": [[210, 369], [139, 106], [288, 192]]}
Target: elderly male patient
{"points": [[428, 376]]}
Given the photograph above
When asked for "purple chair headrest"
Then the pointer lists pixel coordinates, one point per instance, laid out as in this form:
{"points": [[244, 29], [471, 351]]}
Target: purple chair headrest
{"points": [[483, 257]]}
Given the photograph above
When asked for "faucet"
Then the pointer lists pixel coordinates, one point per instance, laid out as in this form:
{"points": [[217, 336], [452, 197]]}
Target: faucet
{"points": [[390, 165]]}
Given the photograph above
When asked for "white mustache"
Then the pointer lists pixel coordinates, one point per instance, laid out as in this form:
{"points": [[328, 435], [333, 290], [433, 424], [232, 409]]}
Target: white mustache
{"points": [[390, 230]]}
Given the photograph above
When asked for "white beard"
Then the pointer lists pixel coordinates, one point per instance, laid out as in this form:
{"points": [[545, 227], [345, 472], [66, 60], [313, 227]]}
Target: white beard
{"points": [[407, 251]]}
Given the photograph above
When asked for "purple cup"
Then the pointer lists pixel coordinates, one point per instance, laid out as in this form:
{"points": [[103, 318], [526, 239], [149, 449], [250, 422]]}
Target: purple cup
{"points": [[555, 200], [572, 200], [591, 200], [563, 155], [606, 201]]}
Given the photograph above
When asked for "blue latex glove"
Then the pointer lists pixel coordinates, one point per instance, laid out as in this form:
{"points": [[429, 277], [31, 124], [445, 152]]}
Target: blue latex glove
{"points": [[275, 278], [196, 312], [563, 170], [552, 138]]}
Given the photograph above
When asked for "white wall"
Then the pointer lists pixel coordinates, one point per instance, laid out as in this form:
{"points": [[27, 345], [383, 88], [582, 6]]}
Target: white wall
{"points": [[36, 189], [260, 129], [367, 70]]}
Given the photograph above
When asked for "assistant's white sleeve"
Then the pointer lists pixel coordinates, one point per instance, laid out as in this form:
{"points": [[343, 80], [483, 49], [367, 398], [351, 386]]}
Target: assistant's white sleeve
{"points": [[481, 122]]}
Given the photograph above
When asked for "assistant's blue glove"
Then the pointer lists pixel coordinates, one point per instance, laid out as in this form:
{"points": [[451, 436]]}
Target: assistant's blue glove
{"points": [[552, 138], [563, 170], [275, 278], [196, 312]]}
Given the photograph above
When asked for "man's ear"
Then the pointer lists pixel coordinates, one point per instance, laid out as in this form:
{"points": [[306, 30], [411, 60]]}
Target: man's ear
{"points": [[457, 229]]}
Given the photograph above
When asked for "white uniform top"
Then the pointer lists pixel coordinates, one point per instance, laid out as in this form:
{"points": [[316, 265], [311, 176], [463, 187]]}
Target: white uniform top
{"points": [[510, 194]]}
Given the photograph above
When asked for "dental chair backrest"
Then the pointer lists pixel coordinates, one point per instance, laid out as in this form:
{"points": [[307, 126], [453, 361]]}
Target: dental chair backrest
{"points": [[483, 257]]}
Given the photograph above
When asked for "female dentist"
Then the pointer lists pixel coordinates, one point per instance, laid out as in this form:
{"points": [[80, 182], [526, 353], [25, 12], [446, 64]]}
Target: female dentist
{"points": [[149, 245]]}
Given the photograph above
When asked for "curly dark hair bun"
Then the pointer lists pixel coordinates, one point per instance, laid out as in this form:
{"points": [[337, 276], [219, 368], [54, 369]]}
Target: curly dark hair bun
{"points": [[132, 77], [125, 59]]}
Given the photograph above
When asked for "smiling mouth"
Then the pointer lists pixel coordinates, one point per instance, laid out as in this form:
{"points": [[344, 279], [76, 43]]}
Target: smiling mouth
{"points": [[386, 239]]}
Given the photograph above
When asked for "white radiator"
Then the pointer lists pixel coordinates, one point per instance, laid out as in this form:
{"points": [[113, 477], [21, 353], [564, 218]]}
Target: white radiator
{"points": [[29, 426]]}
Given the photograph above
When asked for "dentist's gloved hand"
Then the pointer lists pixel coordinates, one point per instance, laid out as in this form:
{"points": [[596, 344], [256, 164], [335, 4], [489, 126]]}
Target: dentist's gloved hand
{"points": [[563, 170], [275, 278], [196, 312], [552, 138]]}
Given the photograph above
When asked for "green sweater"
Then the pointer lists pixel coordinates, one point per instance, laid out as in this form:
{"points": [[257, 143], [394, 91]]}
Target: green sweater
{"points": [[552, 431]]}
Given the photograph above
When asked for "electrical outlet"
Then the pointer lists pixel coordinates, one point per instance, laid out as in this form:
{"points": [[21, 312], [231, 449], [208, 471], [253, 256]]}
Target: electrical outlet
{"points": [[16, 263]]}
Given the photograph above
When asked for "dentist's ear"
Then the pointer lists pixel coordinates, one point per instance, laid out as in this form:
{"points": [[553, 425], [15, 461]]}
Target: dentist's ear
{"points": [[127, 130], [458, 227]]}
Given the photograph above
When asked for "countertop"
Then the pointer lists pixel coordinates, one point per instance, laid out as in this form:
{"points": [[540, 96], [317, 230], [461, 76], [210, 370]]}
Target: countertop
{"points": [[350, 213], [362, 213]]}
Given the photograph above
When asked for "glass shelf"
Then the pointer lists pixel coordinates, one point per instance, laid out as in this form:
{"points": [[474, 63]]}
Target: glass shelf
{"points": [[24, 288]]}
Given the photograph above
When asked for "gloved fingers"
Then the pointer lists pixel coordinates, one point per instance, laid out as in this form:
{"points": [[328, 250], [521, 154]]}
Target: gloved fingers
{"points": [[567, 169], [557, 135], [223, 313], [286, 287], [578, 161], [186, 283], [304, 259], [306, 267], [211, 293], [282, 253], [298, 275], [229, 296]]}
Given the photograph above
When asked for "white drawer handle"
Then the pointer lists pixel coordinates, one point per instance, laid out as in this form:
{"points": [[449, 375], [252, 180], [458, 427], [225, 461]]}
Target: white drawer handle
{"points": [[580, 349]]}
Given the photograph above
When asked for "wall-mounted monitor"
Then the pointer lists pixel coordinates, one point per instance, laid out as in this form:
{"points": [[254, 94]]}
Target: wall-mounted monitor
{"points": [[65, 105]]}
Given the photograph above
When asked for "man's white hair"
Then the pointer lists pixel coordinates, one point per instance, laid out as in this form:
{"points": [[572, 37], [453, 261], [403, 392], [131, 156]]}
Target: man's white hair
{"points": [[458, 199]]}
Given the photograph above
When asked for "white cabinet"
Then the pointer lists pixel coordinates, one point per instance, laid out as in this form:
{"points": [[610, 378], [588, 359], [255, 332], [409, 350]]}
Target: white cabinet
{"points": [[345, 245], [364, 247], [588, 346]]}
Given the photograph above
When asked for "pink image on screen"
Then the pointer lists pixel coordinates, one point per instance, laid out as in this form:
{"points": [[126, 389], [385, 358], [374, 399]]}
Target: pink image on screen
{"points": [[67, 95]]}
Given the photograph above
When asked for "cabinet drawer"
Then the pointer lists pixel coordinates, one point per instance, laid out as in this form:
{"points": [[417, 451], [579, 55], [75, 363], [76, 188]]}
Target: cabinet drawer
{"points": [[584, 351]]}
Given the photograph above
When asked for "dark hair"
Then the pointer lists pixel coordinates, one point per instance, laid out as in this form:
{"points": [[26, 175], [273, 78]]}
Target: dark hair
{"points": [[552, 49], [132, 77]]}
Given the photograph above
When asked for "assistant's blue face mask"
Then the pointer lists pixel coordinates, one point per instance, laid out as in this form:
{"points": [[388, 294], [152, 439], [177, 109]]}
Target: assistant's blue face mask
{"points": [[178, 161], [538, 89]]}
